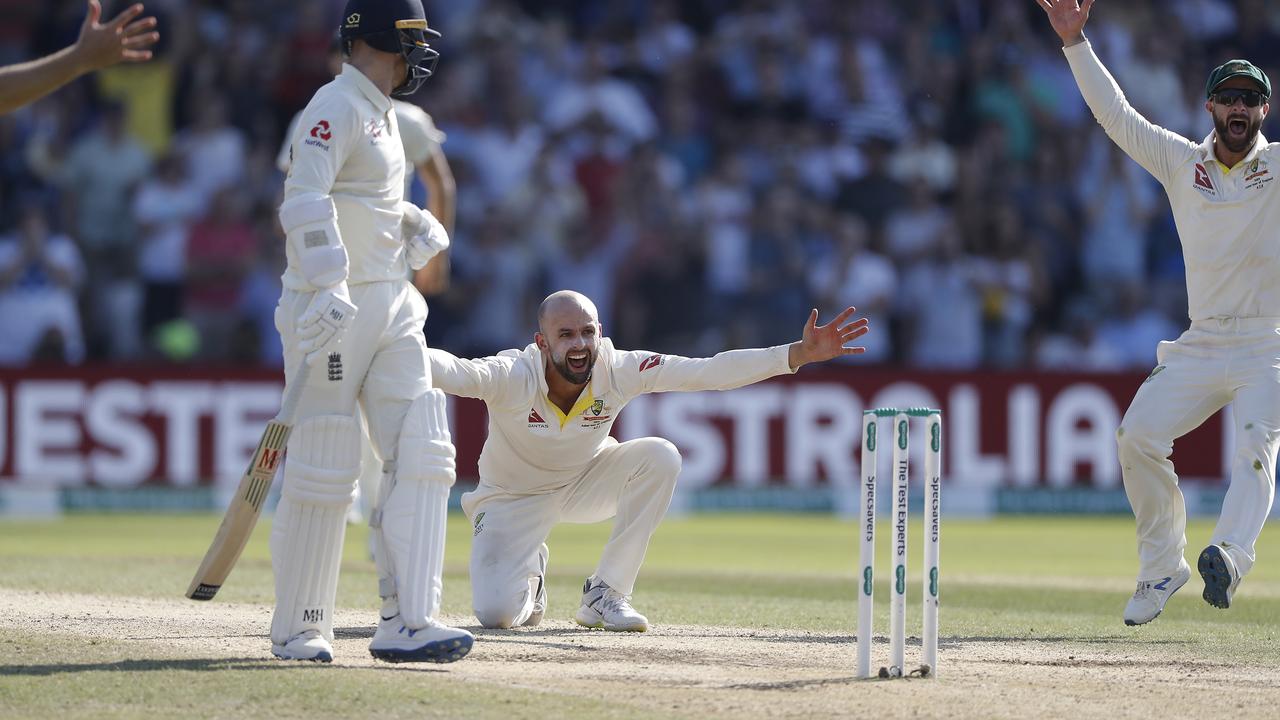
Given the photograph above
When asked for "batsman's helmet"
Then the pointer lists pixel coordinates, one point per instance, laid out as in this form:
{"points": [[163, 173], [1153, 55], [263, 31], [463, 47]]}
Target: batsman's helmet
{"points": [[393, 26]]}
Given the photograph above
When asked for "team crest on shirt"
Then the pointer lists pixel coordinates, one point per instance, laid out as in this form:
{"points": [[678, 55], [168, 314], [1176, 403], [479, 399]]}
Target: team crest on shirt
{"points": [[1258, 175], [595, 415], [1202, 181], [376, 129]]}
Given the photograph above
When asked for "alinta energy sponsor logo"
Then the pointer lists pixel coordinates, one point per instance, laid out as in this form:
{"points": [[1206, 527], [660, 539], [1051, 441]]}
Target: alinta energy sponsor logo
{"points": [[536, 421]]}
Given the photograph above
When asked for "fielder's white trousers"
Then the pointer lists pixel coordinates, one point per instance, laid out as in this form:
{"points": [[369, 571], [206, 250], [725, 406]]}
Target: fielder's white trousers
{"points": [[1215, 362], [631, 482]]}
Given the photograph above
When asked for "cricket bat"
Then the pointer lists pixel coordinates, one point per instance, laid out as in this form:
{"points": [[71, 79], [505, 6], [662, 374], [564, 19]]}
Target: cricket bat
{"points": [[246, 505]]}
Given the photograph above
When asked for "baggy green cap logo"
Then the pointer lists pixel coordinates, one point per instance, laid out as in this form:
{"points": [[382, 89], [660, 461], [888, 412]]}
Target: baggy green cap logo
{"points": [[1238, 68], [866, 581]]}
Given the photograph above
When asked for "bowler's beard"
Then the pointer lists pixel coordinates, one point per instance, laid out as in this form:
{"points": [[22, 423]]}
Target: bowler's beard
{"points": [[561, 364], [1253, 125]]}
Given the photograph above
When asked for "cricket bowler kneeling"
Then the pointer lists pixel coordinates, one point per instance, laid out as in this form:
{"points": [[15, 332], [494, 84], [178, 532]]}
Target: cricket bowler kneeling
{"points": [[349, 309], [1223, 194], [549, 458]]}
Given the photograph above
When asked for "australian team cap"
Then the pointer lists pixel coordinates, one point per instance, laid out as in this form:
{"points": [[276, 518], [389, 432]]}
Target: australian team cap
{"points": [[1238, 68]]}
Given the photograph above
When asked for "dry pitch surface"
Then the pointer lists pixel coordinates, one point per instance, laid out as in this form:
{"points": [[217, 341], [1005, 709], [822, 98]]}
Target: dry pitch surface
{"points": [[672, 671]]}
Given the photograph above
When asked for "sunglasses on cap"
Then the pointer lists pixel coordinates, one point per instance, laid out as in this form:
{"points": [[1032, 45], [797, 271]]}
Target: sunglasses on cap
{"points": [[1228, 96]]}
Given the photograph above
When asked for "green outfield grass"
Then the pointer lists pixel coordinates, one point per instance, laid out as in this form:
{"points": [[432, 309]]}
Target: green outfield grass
{"points": [[1059, 579]]}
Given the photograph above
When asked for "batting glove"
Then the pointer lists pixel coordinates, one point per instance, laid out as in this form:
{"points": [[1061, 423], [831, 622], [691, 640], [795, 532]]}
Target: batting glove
{"points": [[325, 321], [424, 236]]}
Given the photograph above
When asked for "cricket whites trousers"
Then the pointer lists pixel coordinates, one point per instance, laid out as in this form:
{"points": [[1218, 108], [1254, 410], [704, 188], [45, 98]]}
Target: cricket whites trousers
{"points": [[631, 482], [1215, 362], [380, 364]]}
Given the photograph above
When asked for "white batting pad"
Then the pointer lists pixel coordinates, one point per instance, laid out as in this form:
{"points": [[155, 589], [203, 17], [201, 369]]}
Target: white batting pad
{"points": [[320, 472], [413, 518]]}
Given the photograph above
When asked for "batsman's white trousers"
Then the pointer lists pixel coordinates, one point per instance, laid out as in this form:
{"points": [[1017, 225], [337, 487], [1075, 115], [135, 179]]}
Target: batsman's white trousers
{"points": [[1213, 363], [631, 482], [381, 364]]}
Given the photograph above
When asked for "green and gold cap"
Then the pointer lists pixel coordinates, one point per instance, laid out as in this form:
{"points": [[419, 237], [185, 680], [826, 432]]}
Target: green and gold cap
{"points": [[1238, 68]]}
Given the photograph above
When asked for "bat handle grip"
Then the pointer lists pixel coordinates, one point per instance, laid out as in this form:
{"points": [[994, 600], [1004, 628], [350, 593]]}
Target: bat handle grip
{"points": [[294, 394]]}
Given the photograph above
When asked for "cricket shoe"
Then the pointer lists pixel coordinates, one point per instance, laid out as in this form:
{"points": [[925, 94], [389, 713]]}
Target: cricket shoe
{"points": [[1220, 576], [438, 643], [604, 607], [540, 597], [307, 645], [1149, 599]]}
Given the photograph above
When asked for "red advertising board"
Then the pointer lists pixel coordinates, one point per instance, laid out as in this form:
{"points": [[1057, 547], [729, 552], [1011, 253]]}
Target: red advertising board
{"points": [[115, 427]]}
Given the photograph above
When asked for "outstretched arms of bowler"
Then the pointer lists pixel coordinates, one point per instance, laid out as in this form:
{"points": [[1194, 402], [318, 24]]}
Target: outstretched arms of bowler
{"points": [[644, 372], [819, 343], [497, 379]]}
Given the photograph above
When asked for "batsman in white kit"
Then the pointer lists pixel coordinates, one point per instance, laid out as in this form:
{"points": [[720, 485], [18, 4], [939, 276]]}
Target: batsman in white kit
{"points": [[549, 457], [1227, 212], [349, 311], [422, 142]]}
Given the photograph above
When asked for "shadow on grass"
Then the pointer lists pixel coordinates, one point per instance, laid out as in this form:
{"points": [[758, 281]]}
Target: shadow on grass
{"points": [[196, 665], [191, 664]]}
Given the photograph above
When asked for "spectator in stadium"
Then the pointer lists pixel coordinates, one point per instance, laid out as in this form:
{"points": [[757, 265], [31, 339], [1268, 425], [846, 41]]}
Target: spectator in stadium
{"points": [[39, 274]]}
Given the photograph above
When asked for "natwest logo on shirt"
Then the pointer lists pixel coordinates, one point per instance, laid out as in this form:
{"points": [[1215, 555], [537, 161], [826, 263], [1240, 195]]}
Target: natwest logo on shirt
{"points": [[1202, 180], [320, 134]]}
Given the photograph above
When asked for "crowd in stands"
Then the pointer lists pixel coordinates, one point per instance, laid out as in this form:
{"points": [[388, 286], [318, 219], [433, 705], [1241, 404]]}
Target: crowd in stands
{"points": [[706, 170]]}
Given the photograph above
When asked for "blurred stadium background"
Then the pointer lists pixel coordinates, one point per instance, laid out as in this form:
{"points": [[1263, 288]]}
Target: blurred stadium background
{"points": [[706, 170]]}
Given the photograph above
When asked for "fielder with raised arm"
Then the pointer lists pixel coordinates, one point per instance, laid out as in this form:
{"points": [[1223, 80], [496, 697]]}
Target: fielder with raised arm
{"points": [[350, 311], [124, 38], [1224, 200], [549, 457]]}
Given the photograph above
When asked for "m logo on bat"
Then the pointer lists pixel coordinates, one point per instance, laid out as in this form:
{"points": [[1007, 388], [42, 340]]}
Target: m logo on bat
{"points": [[270, 458]]}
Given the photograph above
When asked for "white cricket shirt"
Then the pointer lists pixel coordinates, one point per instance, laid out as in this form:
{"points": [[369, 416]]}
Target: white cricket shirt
{"points": [[533, 447], [347, 145], [1227, 218], [418, 133]]}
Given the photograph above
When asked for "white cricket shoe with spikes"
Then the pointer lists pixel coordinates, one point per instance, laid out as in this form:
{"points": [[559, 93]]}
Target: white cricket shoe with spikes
{"points": [[1149, 599], [604, 607], [438, 643]]}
